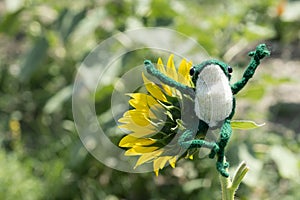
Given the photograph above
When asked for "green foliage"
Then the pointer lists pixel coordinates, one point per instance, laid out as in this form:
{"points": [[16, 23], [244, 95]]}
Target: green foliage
{"points": [[33, 58], [17, 180], [43, 43]]}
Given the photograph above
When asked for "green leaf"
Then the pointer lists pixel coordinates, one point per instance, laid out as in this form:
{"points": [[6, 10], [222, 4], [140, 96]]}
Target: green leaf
{"points": [[68, 21], [244, 124], [34, 58], [55, 103], [10, 22]]}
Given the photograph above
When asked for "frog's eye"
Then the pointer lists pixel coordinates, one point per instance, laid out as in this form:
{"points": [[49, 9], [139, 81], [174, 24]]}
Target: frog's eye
{"points": [[192, 71], [230, 70]]}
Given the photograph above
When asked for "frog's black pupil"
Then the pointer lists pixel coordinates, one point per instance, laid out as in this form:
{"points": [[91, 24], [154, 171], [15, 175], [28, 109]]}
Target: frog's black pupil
{"points": [[192, 71], [229, 69]]}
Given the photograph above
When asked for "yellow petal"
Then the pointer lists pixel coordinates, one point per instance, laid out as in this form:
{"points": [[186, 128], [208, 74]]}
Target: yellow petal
{"points": [[148, 157], [141, 100], [151, 101], [136, 130], [154, 90], [138, 116], [171, 70], [145, 103], [154, 107], [160, 66], [139, 97], [172, 161], [183, 72], [134, 122], [130, 141], [139, 104], [160, 163], [164, 161], [190, 64], [138, 150], [144, 158], [167, 89]]}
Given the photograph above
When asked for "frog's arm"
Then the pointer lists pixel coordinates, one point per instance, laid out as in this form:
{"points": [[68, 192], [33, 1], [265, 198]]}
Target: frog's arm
{"points": [[167, 80], [260, 52]]}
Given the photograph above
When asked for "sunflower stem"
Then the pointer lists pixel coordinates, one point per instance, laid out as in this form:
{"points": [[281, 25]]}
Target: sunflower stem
{"points": [[229, 186]]}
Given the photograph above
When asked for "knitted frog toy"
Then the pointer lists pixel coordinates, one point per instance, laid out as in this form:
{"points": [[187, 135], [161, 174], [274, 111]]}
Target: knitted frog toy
{"points": [[214, 101]]}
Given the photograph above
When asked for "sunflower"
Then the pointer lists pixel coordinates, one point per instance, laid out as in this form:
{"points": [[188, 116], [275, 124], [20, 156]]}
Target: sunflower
{"points": [[155, 119]]}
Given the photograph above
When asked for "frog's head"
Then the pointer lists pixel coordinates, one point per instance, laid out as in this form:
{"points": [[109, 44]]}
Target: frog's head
{"points": [[213, 67]]}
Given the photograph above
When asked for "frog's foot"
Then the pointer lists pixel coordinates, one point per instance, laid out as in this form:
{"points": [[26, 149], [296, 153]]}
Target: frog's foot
{"points": [[226, 165], [221, 167]]}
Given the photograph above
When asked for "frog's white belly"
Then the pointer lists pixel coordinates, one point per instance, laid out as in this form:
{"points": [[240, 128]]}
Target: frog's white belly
{"points": [[213, 101]]}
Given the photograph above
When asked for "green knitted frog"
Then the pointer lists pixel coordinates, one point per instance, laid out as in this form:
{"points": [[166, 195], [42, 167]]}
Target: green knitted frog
{"points": [[214, 101]]}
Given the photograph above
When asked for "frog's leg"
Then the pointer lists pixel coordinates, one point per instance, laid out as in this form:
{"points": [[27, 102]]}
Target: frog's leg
{"points": [[259, 53], [187, 141], [225, 134], [151, 69]]}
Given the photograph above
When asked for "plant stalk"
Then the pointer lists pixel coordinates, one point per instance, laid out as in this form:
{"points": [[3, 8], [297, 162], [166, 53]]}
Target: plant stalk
{"points": [[229, 186]]}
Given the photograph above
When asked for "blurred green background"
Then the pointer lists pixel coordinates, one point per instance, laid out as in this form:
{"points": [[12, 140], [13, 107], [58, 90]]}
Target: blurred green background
{"points": [[42, 43]]}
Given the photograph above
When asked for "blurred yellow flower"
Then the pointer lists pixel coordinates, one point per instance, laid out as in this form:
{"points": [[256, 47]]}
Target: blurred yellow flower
{"points": [[154, 118]]}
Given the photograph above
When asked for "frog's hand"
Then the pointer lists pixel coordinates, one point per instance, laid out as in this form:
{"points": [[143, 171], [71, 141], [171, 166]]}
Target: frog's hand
{"points": [[259, 53], [151, 69]]}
